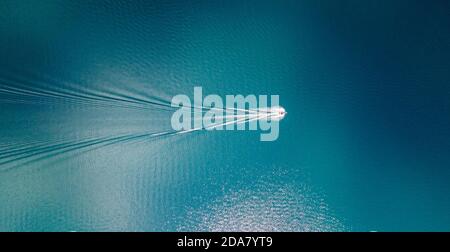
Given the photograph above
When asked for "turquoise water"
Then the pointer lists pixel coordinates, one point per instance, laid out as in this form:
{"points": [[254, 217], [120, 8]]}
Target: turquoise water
{"points": [[365, 144]]}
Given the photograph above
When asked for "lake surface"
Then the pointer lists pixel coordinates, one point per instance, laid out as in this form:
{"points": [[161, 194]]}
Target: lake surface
{"points": [[365, 144]]}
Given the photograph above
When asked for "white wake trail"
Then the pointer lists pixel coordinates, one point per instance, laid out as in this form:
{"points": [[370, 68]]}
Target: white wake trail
{"points": [[218, 125], [248, 118]]}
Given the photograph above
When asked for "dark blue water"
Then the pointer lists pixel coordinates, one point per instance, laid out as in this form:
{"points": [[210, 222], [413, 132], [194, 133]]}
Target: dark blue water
{"points": [[85, 86]]}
